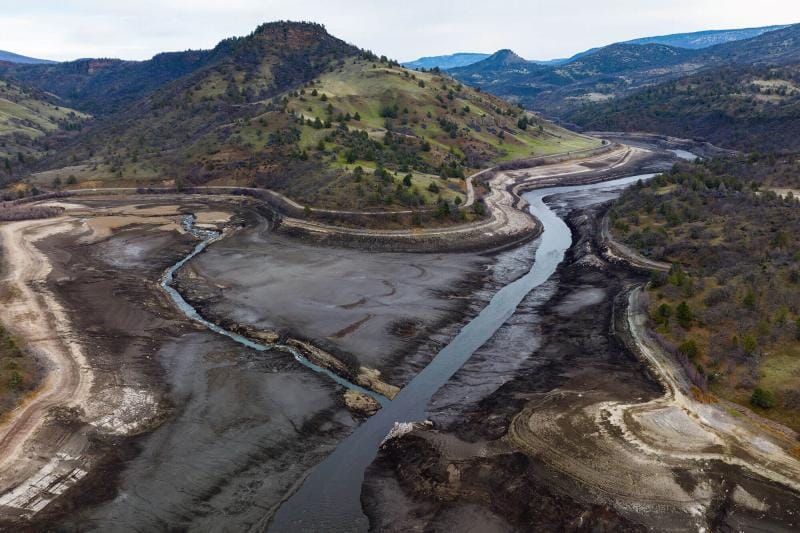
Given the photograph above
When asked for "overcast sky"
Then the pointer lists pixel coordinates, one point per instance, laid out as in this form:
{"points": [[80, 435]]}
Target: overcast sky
{"points": [[402, 29]]}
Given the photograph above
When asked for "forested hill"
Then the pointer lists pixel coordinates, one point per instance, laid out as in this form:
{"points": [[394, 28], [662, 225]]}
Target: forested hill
{"points": [[291, 108], [621, 69], [744, 108], [32, 124], [103, 86], [730, 307]]}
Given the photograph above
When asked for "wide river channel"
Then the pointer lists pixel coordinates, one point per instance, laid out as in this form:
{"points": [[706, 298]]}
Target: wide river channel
{"points": [[329, 499]]}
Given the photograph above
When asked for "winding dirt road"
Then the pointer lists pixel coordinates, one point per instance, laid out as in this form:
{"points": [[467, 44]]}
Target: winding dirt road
{"points": [[32, 313]]}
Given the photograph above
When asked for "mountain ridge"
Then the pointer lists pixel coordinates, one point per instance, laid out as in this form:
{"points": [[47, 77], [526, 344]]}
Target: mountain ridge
{"points": [[691, 40], [291, 108], [622, 68], [11, 57]]}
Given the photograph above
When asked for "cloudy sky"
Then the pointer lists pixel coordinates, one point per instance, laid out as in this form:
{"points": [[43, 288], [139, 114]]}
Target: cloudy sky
{"points": [[407, 29]]}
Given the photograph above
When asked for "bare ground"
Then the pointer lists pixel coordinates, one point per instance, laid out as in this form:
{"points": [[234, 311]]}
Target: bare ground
{"points": [[571, 432]]}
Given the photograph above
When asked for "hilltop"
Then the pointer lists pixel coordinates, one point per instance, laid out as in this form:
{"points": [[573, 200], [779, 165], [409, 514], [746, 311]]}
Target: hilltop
{"points": [[460, 59], [294, 109], [693, 40]]}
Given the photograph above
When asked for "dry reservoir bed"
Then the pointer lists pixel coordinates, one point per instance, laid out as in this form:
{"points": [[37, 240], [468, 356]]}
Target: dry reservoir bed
{"points": [[181, 427]]}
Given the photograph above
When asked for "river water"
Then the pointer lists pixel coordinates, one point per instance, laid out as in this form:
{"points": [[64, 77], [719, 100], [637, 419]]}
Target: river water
{"points": [[330, 497]]}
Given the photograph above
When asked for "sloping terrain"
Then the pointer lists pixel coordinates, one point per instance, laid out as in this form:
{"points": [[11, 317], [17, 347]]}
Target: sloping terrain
{"points": [[694, 41], [745, 108], [26, 117], [705, 39], [11, 57], [293, 109], [107, 85], [460, 59], [620, 69], [729, 306]]}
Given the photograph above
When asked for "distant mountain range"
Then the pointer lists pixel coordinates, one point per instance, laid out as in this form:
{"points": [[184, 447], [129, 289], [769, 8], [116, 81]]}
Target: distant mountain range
{"points": [[742, 94], [11, 57], [618, 69], [460, 59], [705, 39], [692, 41]]}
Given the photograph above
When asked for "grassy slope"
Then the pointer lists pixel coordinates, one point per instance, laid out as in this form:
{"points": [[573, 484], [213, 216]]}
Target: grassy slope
{"points": [[26, 117], [732, 243], [223, 126], [422, 100]]}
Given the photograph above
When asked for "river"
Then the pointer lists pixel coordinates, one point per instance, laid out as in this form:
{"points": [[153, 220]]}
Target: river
{"points": [[330, 497]]}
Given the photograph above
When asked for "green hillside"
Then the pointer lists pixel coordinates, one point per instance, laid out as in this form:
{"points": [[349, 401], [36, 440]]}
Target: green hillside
{"points": [[26, 116], [732, 307], [296, 110]]}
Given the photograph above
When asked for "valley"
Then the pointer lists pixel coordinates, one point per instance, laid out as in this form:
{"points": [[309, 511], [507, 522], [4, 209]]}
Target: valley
{"points": [[288, 284]]}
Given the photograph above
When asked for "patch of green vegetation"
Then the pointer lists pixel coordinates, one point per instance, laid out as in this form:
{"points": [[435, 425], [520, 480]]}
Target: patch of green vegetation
{"points": [[746, 108], [26, 116], [227, 124], [18, 372]]}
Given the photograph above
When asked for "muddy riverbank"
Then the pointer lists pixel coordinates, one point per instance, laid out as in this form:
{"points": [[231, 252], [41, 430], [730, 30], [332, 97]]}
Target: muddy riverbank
{"points": [[515, 443], [382, 311]]}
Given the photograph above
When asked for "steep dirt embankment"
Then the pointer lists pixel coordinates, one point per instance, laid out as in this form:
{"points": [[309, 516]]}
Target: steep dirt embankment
{"points": [[78, 298]]}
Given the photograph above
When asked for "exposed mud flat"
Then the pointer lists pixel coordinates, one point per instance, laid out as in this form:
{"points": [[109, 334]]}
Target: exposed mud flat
{"points": [[369, 309], [117, 320], [245, 427], [517, 444], [182, 427], [187, 429]]}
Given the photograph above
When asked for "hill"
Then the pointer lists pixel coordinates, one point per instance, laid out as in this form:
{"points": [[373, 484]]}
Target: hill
{"points": [[11, 57], [621, 69], [103, 86], [745, 108], [445, 62], [598, 75], [296, 110], [31, 124], [731, 307]]}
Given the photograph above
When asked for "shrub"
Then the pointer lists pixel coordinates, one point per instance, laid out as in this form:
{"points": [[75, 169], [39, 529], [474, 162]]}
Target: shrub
{"points": [[684, 315], [763, 398], [690, 349]]}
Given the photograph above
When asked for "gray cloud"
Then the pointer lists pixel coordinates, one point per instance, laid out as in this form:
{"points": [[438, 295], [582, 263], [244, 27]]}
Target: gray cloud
{"points": [[536, 29]]}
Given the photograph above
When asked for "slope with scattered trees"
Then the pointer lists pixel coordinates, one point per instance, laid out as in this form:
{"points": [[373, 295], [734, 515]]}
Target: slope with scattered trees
{"points": [[744, 108], [294, 109], [620, 69], [32, 124], [19, 372], [731, 303]]}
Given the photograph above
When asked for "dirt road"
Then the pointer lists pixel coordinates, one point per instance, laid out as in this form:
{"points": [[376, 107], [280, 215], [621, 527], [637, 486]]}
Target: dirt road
{"points": [[32, 313]]}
